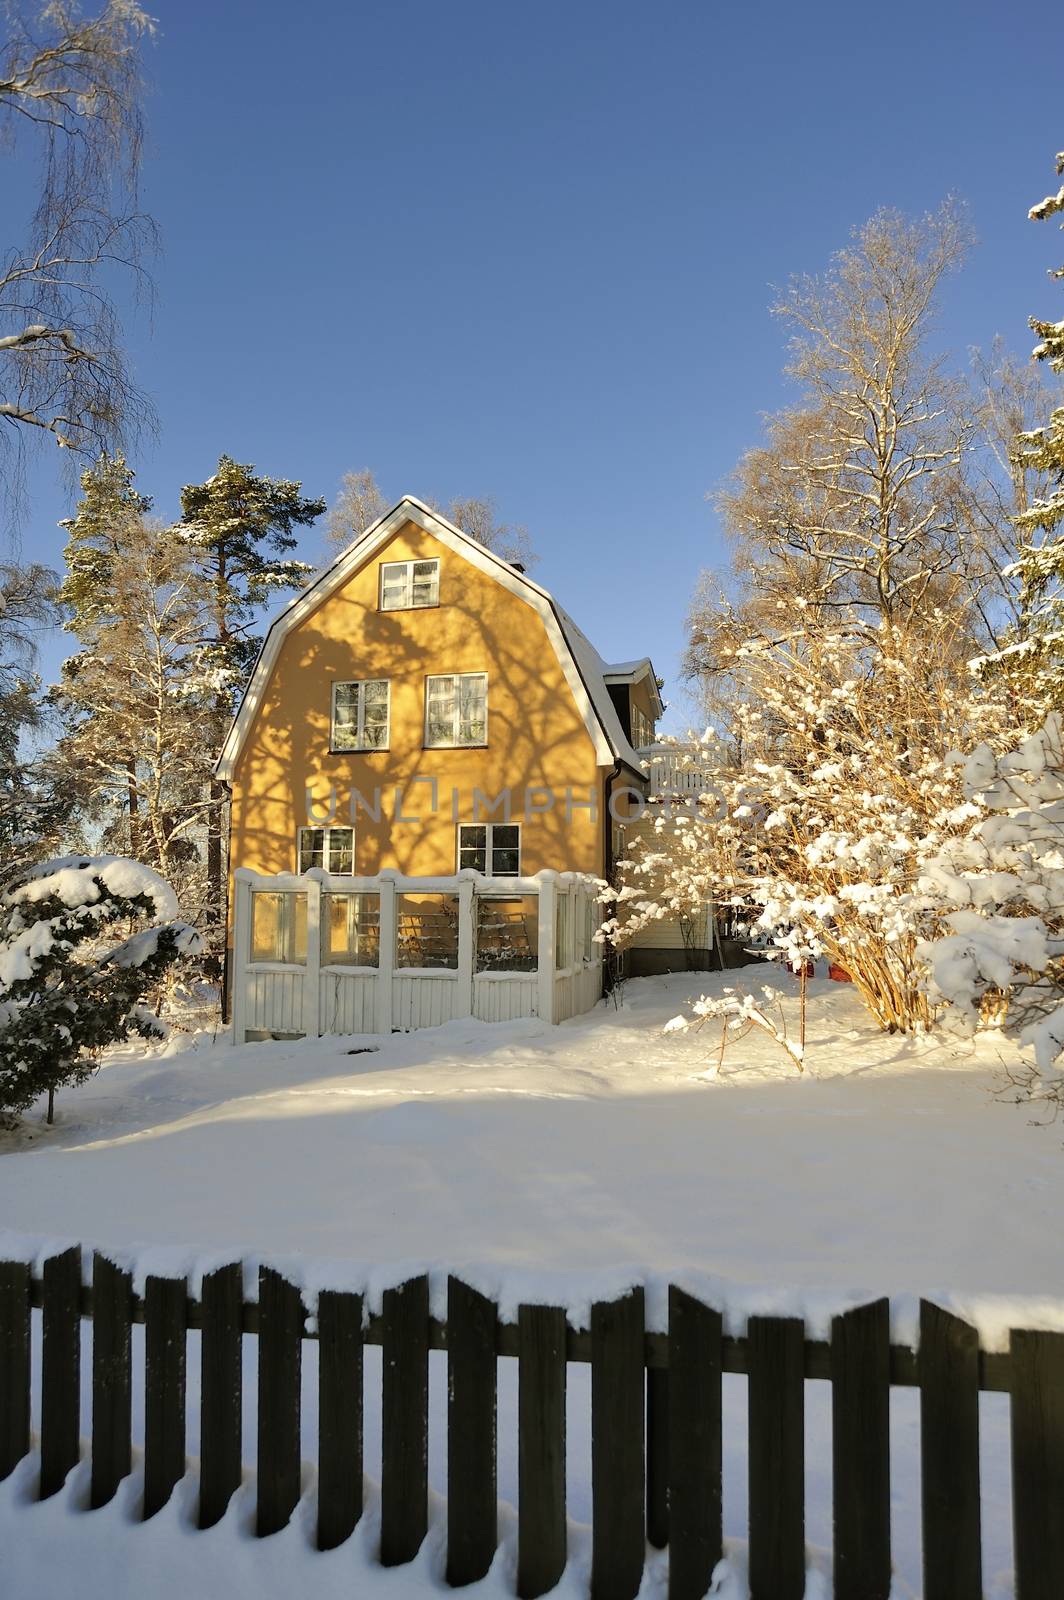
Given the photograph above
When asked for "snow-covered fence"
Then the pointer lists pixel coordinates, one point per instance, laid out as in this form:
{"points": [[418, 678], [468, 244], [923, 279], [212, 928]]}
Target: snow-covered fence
{"points": [[320, 953], [656, 1425], [676, 769]]}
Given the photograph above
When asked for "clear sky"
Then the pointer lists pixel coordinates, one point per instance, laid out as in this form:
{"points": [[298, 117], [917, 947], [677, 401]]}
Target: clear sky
{"points": [[526, 250]]}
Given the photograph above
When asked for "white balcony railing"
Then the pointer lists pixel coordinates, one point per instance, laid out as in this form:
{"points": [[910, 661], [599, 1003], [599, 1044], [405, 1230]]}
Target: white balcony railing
{"points": [[675, 769]]}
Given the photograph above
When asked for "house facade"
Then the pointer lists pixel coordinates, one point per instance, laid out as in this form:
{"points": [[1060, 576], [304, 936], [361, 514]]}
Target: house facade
{"points": [[424, 709]]}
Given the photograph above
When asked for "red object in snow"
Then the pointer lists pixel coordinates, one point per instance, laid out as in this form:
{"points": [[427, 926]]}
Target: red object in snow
{"points": [[808, 972], [839, 974]]}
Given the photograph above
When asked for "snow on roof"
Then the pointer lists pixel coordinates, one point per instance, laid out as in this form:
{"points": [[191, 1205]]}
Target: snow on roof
{"points": [[593, 670]]}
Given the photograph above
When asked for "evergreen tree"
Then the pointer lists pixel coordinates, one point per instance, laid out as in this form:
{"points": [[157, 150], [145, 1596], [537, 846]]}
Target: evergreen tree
{"points": [[240, 526], [134, 700], [67, 987], [100, 536], [1032, 661]]}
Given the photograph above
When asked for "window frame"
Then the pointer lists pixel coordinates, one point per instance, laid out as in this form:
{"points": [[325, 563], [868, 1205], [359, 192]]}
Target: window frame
{"points": [[360, 748], [644, 739], [324, 828], [408, 566], [287, 928], [489, 848], [455, 744]]}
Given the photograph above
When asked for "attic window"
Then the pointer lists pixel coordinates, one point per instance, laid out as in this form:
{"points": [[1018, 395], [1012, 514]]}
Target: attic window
{"points": [[409, 585], [642, 729]]}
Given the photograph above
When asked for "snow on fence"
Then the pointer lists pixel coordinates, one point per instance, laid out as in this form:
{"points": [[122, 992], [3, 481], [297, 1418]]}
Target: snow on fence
{"points": [[655, 1425], [322, 953]]}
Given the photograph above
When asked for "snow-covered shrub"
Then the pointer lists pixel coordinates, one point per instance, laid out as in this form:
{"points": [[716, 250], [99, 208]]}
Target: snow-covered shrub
{"points": [[999, 889], [75, 969], [834, 789]]}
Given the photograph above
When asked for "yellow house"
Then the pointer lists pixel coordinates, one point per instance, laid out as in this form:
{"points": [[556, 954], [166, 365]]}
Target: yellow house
{"points": [[423, 707]]}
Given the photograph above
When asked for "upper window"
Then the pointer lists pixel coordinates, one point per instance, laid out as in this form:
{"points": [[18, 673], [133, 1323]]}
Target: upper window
{"points": [[456, 709], [493, 848], [360, 715], [406, 585], [642, 729], [331, 849]]}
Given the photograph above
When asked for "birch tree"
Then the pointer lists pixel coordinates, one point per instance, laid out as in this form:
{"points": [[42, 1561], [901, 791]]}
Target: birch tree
{"points": [[71, 91]]}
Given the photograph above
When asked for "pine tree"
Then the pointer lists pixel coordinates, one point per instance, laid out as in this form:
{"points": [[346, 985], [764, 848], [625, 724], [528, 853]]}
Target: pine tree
{"points": [[1032, 661], [240, 527], [68, 988], [134, 700], [100, 535]]}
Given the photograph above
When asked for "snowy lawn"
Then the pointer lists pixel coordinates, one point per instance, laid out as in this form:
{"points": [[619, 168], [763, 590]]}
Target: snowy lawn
{"points": [[563, 1164]]}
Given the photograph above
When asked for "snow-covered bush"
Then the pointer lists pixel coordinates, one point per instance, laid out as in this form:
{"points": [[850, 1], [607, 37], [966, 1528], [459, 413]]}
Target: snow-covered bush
{"points": [[999, 889], [834, 790], [75, 969]]}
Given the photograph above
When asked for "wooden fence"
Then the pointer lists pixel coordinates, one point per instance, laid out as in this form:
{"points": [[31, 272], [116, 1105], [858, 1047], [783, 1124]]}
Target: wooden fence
{"points": [[656, 1425]]}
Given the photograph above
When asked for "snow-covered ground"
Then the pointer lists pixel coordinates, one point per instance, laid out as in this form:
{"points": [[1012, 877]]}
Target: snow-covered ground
{"points": [[562, 1164]]}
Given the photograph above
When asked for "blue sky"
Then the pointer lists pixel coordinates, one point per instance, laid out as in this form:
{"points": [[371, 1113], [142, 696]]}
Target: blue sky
{"points": [[526, 250]]}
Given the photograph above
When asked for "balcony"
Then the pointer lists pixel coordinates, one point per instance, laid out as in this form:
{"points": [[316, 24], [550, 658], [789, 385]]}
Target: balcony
{"points": [[676, 769]]}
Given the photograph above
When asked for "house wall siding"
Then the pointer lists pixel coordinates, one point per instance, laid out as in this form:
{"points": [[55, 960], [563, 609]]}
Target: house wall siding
{"points": [[537, 737]]}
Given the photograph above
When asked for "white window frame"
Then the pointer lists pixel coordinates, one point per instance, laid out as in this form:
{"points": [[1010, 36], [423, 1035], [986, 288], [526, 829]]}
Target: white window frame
{"points": [[407, 568], [489, 847], [455, 744], [326, 850], [361, 746]]}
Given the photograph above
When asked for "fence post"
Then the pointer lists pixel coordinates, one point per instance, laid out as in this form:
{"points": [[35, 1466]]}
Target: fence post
{"points": [[776, 1396], [280, 1356], [221, 1390], [860, 1411], [548, 892], [385, 954], [948, 1364], [472, 1497], [618, 1484], [14, 1364], [1037, 1401], [404, 1417], [165, 1321], [466, 943], [312, 970], [112, 1316], [241, 950], [339, 1415], [61, 1370], [541, 1533], [695, 1532]]}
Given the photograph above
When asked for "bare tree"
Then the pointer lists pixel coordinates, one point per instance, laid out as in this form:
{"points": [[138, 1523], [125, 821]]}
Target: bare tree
{"points": [[856, 488], [72, 87], [356, 508], [360, 502]]}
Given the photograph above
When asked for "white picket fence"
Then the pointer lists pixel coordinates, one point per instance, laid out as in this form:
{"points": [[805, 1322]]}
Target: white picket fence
{"points": [[287, 980]]}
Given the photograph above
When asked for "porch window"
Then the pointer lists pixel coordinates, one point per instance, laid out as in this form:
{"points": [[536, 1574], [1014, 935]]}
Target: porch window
{"points": [[426, 930], [351, 930], [279, 927], [507, 933], [456, 710], [329, 849], [493, 848], [409, 585], [360, 715]]}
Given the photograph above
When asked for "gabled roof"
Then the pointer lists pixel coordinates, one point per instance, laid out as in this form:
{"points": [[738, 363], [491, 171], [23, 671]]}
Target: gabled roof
{"points": [[584, 669]]}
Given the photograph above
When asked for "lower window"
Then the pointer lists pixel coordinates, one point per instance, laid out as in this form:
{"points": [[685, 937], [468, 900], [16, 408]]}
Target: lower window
{"points": [[426, 930], [507, 933], [330, 849], [493, 848], [351, 927], [278, 927]]}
